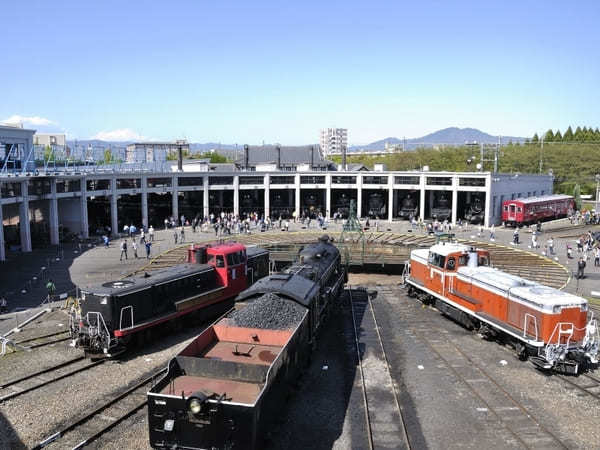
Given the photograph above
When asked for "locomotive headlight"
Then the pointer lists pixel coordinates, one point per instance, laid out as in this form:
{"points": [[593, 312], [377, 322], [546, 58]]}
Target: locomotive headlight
{"points": [[195, 406], [556, 309], [195, 402], [584, 307]]}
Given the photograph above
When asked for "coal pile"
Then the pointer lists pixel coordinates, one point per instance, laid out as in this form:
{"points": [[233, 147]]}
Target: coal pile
{"points": [[269, 312]]}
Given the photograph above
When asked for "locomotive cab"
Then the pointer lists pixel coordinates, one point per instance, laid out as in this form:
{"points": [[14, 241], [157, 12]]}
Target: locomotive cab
{"points": [[229, 261]]}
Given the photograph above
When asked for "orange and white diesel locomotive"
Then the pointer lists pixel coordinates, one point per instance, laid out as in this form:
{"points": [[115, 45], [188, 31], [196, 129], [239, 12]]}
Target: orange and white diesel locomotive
{"points": [[549, 326]]}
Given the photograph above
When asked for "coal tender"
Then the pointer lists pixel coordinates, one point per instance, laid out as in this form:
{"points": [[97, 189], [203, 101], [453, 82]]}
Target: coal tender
{"points": [[224, 388]]}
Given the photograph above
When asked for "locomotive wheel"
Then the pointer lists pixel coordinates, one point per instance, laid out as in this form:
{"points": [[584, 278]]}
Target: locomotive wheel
{"points": [[521, 350]]}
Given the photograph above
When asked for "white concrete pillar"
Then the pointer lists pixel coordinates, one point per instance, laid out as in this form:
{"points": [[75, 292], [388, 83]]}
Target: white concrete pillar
{"points": [[114, 211], [454, 205], [236, 195], [85, 228], [54, 237], [205, 204], [175, 199], [422, 198], [359, 184], [297, 193], [328, 196], [144, 195], [267, 183], [488, 201], [390, 198], [24, 228], [2, 244]]}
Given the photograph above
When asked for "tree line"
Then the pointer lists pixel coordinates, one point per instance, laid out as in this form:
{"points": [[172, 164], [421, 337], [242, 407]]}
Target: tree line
{"points": [[580, 134], [571, 163]]}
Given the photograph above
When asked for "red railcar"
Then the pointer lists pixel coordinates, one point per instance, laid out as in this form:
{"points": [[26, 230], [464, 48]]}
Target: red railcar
{"points": [[523, 211]]}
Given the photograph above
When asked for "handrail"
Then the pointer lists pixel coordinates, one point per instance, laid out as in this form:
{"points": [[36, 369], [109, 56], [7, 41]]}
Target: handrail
{"points": [[130, 307], [525, 325]]}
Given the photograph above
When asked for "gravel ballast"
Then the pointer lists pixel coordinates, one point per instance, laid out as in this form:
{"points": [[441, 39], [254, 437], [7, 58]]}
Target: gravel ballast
{"points": [[269, 312]]}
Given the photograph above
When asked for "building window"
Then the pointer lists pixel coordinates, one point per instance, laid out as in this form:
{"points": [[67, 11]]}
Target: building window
{"points": [[190, 181], [471, 181], [10, 190], [439, 181], [220, 181], [282, 180], [343, 180], [406, 180], [375, 180], [159, 182], [252, 180], [38, 187], [98, 185], [129, 183], [315, 179]]}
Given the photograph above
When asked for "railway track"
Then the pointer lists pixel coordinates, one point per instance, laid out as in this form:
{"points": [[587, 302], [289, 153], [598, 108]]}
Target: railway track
{"points": [[585, 383], [388, 248], [385, 424], [84, 430], [28, 383], [526, 429], [43, 340]]}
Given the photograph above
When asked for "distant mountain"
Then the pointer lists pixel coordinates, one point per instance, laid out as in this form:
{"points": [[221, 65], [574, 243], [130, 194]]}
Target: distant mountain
{"points": [[448, 136]]}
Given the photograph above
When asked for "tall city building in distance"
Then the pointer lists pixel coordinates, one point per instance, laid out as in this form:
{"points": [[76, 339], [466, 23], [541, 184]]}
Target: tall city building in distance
{"points": [[333, 140]]}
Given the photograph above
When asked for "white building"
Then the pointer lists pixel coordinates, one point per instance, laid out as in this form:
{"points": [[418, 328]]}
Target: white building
{"points": [[145, 152], [333, 140], [50, 139]]}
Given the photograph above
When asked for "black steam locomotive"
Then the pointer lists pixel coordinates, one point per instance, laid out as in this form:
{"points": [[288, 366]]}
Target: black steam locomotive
{"points": [[376, 207], [226, 386], [441, 208], [409, 208], [474, 212]]}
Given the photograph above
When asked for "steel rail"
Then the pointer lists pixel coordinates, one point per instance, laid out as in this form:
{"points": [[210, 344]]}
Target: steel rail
{"points": [[41, 372], [45, 383], [65, 429]]}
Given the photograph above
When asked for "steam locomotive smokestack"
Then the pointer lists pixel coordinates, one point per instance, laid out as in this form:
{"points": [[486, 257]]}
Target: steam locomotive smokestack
{"points": [[344, 165], [246, 156], [180, 158]]}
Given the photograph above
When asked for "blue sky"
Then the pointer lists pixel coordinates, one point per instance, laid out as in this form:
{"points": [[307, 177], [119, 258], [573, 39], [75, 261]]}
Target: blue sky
{"points": [[244, 72]]}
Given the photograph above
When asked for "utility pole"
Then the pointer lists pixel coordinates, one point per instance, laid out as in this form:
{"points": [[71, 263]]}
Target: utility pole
{"points": [[541, 154]]}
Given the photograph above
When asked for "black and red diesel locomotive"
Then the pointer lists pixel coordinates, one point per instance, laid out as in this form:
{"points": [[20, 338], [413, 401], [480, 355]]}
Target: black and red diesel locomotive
{"points": [[112, 314]]}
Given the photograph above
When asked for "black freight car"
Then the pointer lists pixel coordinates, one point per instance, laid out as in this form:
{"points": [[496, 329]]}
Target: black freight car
{"points": [[225, 387]]}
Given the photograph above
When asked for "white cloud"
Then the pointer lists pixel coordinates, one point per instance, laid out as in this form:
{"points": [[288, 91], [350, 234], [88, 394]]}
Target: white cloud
{"points": [[16, 119], [122, 134]]}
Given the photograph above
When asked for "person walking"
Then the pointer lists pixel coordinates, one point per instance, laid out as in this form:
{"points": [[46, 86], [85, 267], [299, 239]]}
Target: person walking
{"points": [[51, 288], [516, 236], [3, 305], [182, 240], [580, 268], [597, 257], [151, 233], [134, 247], [148, 245], [123, 249], [551, 245], [492, 233], [106, 240], [175, 235]]}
